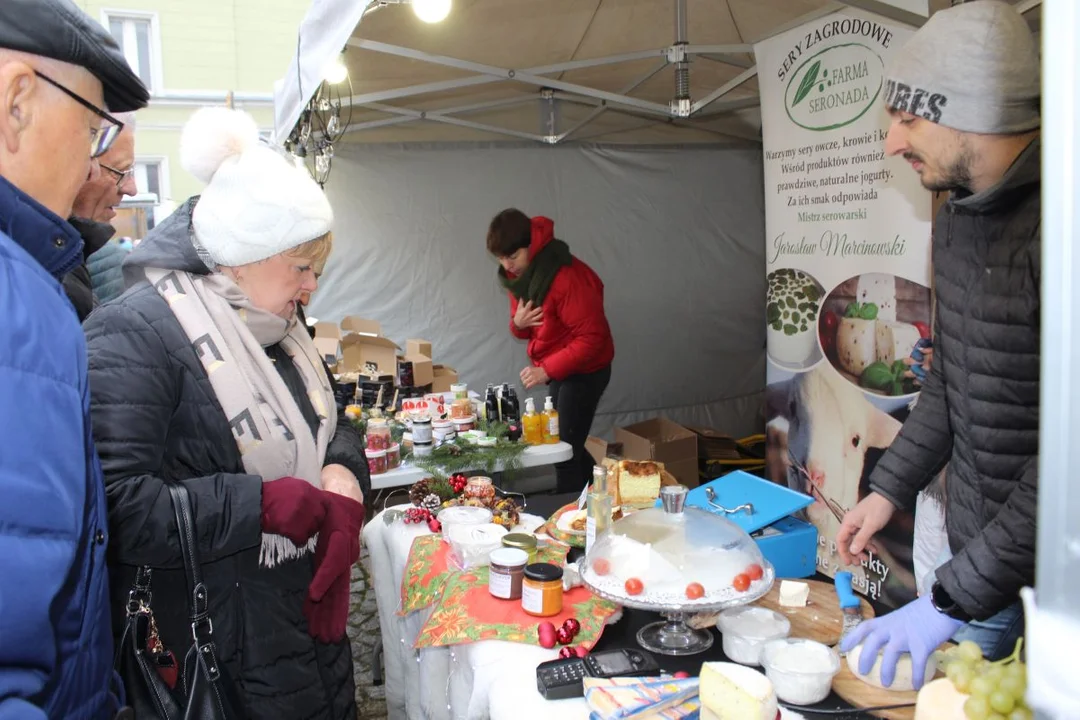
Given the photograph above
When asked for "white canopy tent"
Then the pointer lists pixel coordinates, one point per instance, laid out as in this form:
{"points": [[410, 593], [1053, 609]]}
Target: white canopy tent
{"points": [[673, 84]]}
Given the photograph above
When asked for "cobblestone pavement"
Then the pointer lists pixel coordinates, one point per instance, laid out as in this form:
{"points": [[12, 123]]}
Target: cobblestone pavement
{"points": [[365, 636]]}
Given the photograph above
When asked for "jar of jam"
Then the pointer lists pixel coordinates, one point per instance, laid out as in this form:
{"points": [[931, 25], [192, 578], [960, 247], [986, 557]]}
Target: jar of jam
{"points": [[521, 541], [376, 461], [462, 408], [507, 572], [460, 391], [421, 430], [462, 425], [480, 488], [378, 435], [393, 457], [542, 590]]}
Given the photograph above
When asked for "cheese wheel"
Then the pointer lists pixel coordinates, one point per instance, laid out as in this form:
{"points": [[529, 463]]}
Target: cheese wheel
{"points": [[940, 700], [902, 681], [880, 289], [856, 344], [735, 692], [895, 341]]}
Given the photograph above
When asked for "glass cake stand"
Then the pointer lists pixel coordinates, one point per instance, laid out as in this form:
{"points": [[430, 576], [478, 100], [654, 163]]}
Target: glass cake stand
{"points": [[666, 549]]}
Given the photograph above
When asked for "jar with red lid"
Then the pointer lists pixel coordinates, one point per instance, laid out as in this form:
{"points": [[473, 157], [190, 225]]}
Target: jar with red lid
{"points": [[376, 460]]}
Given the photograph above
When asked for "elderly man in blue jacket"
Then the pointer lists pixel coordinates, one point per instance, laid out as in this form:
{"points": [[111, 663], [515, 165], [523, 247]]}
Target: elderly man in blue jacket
{"points": [[59, 70]]}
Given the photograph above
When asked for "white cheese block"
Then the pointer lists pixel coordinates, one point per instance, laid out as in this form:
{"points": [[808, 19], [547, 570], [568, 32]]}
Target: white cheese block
{"points": [[794, 594], [856, 344], [940, 700], [734, 692], [879, 289], [895, 341]]}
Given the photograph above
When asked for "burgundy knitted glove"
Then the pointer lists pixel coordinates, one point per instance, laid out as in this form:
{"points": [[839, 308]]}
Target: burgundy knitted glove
{"points": [[327, 604], [294, 508]]}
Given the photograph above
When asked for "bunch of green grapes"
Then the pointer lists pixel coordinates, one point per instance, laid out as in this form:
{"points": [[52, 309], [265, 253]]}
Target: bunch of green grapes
{"points": [[996, 689]]}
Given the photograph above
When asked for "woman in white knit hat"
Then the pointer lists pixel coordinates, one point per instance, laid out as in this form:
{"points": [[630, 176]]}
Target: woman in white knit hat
{"points": [[200, 375]]}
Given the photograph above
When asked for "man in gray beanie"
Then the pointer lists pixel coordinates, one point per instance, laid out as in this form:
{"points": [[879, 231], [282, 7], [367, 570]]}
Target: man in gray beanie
{"points": [[963, 95]]}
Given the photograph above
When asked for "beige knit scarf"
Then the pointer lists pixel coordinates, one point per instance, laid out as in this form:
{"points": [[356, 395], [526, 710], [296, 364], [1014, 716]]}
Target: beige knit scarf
{"points": [[229, 335]]}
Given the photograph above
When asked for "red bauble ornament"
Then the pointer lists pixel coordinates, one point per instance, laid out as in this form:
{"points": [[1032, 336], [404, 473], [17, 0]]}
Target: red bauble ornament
{"points": [[564, 637], [572, 626]]}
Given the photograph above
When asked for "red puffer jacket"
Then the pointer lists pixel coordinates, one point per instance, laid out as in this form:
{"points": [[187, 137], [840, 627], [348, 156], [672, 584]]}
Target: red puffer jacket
{"points": [[575, 337]]}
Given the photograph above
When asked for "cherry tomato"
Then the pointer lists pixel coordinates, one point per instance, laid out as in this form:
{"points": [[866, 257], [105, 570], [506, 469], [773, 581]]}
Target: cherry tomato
{"points": [[741, 582], [634, 586], [601, 566], [681, 675], [755, 572], [695, 591]]}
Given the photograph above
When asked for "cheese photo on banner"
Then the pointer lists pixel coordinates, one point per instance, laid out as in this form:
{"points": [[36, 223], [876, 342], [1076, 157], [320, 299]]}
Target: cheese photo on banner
{"points": [[848, 276]]}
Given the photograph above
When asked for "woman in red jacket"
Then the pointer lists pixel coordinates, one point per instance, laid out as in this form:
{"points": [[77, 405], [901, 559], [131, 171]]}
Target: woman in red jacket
{"points": [[557, 304]]}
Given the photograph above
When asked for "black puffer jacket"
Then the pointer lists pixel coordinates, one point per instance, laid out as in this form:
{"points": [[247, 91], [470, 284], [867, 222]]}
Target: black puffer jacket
{"points": [[979, 408], [157, 420], [78, 283]]}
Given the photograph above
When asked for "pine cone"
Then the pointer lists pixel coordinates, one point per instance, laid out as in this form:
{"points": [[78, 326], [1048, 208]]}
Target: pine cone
{"points": [[431, 502], [420, 490]]}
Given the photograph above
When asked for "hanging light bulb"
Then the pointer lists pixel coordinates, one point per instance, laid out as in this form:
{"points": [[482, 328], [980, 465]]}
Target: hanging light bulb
{"points": [[334, 123], [336, 71], [322, 163], [431, 11]]}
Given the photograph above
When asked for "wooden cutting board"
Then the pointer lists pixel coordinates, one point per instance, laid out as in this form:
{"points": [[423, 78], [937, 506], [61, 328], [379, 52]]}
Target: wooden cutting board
{"points": [[821, 620], [863, 695]]}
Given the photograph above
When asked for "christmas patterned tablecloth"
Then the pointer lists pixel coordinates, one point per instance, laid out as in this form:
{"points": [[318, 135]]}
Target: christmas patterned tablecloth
{"points": [[429, 569], [466, 612]]}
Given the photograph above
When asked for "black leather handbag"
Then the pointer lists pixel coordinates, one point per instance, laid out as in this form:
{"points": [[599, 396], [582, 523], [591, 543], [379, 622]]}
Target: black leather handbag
{"points": [[203, 689]]}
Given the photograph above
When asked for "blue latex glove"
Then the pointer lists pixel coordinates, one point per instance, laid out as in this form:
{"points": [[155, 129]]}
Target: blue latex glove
{"points": [[917, 628]]}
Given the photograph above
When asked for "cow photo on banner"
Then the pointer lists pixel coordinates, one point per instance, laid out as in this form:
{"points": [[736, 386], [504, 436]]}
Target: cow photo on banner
{"points": [[848, 263]]}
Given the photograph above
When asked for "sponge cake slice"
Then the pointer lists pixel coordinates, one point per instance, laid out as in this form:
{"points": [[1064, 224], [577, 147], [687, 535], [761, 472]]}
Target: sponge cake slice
{"points": [[639, 483]]}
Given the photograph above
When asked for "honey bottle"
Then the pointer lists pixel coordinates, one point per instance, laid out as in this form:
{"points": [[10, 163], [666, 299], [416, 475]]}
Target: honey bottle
{"points": [[530, 424], [550, 418]]}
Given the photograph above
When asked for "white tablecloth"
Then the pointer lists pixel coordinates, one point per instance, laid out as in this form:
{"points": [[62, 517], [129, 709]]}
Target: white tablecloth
{"points": [[491, 679], [533, 456]]}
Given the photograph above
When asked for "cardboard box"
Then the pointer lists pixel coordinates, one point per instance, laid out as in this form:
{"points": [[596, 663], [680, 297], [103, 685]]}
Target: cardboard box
{"points": [[326, 329], [715, 445], [665, 441], [329, 349], [422, 369], [443, 376], [360, 326], [418, 347], [368, 355]]}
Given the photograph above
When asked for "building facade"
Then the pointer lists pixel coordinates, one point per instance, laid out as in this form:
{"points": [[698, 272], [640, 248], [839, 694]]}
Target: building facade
{"points": [[192, 53]]}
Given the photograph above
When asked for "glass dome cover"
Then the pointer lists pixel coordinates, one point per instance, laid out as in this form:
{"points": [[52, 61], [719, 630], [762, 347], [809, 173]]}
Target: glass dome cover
{"points": [[667, 549]]}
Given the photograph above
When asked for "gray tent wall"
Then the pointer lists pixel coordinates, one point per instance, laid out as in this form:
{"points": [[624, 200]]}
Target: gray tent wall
{"points": [[676, 234]]}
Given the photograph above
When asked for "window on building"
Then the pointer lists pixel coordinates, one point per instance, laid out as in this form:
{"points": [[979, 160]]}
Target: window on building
{"points": [[136, 36], [150, 178]]}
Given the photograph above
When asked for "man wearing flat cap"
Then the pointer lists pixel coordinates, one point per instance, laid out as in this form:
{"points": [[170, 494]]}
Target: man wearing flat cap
{"points": [[59, 71], [963, 95]]}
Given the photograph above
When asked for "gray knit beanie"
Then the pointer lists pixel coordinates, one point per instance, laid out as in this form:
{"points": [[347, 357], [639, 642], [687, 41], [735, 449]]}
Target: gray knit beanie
{"points": [[973, 68]]}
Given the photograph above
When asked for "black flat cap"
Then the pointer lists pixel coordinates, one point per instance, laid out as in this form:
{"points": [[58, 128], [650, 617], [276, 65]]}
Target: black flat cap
{"points": [[58, 29]]}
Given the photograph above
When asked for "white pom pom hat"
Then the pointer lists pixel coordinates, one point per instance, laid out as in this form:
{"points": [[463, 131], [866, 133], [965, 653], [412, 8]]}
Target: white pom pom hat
{"points": [[256, 204]]}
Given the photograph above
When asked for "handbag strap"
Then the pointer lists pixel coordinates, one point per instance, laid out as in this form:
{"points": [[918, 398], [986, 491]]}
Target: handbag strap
{"points": [[202, 628]]}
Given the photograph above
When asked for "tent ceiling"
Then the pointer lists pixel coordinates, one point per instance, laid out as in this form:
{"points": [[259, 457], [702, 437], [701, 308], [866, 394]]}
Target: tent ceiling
{"points": [[391, 52]]}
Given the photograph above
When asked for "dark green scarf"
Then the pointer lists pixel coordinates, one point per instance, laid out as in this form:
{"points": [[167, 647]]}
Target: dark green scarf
{"points": [[534, 283]]}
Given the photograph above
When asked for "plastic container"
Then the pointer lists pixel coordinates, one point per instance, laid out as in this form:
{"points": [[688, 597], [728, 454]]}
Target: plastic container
{"points": [[460, 390], [376, 461], [421, 430], [461, 408], [507, 573], [801, 671], [393, 457], [422, 449], [378, 435], [542, 590], [471, 545], [747, 629], [442, 431], [549, 422], [530, 424], [462, 515], [466, 424]]}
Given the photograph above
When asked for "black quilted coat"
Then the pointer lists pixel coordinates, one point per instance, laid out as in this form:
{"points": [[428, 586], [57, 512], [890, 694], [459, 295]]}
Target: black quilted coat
{"points": [[979, 408], [156, 421]]}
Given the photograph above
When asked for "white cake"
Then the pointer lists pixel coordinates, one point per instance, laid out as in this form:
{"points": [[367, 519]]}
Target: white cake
{"points": [[895, 340], [856, 344], [880, 289], [734, 692]]}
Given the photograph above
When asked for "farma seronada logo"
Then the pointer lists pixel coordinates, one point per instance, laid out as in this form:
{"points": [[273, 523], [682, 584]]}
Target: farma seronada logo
{"points": [[835, 87]]}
